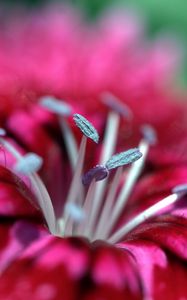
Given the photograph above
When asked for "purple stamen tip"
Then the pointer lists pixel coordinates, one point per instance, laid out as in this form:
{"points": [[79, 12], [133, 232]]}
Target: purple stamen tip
{"points": [[180, 189], [149, 134], [99, 172], [2, 132], [114, 104]]}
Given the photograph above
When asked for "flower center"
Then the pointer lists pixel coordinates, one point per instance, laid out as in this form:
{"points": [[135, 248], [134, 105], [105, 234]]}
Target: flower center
{"points": [[94, 202]]}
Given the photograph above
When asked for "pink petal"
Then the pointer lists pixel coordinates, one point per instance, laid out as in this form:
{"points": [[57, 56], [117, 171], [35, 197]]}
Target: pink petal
{"points": [[34, 137], [167, 232], [15, 238], [15, 197], [163, 276], [53, 267]]}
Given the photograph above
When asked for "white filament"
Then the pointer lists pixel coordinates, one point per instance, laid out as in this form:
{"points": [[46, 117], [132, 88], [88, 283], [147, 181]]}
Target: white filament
{"points": [[44, 200], [109, 145], [75, 212], [70, 142], [76, 181], [128, 186], [83, 228], [144, 216], [108, 206]]}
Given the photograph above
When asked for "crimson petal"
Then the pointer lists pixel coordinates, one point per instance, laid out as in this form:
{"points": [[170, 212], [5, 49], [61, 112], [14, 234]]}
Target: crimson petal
{"points": [[163, 275]]}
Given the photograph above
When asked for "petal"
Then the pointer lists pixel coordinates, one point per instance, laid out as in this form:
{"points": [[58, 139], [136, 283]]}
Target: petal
{"points": [[72, 268], [114, 269], [153, 187], [167, 232], [32, 135], [157, 185], [15, 197], [15, 237], [49, 269], [163, 275]]}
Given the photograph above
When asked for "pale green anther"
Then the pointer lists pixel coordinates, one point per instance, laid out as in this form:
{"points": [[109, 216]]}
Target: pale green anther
{"points": [[123, 158], [86, 127], [28, 164], [56, 106], [2, 132]]}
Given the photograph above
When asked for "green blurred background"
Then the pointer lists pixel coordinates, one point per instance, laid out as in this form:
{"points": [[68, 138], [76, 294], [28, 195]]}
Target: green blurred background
{"points": [[160, 15]]}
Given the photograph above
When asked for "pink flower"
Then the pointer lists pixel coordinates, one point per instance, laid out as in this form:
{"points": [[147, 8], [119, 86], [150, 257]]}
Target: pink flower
{"points": [[106, 249], [125, 236]]}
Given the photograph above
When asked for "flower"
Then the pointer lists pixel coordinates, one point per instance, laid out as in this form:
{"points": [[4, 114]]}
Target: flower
{"points": [[124, 234], [86, 256]]}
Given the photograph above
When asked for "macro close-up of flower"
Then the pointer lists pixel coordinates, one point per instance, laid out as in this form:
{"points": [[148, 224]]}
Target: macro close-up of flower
{"points": [[93, 158]]}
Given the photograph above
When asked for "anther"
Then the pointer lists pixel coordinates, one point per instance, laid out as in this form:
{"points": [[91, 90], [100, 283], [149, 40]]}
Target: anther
{"points": [[99, 172], [114, 104], [56, 106], [2, 132], [28, 164], [149, 134], [123, 158], [180, 189], [86, 127]]}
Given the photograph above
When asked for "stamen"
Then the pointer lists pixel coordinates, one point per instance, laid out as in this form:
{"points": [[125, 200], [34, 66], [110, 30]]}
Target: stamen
{"points": [[149, 134], [84, 229], [107, 208], [75, 212], [2, 132], [128, 186], [89, 131], [86, 127], [70, 142], [60, 227], [115, 105], [110, 137], [44, 200], [99, 172], [45, 203], [56, 106], [123, 158], [180, 189], [109, 145], [63, 110], [144, 216], [76, 182], [28, 164]]}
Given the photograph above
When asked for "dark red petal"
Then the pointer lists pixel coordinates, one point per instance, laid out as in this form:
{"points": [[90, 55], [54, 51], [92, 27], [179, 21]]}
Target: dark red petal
{"points": [[113, 271], [163, 275], [15, 197], [15, 237], [167, 232], [72, 268], [156, 186], [30, 133], [169, 124], [50, 268]]}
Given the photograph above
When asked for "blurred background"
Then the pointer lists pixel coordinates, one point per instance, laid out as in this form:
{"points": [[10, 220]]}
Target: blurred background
{"points": [[159, 15]]}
